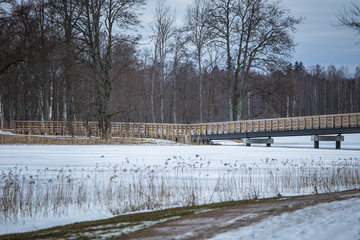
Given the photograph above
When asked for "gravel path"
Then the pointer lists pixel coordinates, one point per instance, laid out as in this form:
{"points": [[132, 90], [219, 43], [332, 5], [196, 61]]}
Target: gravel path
{"points": [[207, 224]]}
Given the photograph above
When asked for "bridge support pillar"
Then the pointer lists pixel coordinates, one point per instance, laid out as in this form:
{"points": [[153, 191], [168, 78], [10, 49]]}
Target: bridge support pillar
{"points": [[338, 139], [338, 144], [267, 141], [316, 144]]}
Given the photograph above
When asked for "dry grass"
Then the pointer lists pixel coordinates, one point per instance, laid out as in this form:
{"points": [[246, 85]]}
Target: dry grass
{"points": [[65, 140], [126, 187]]}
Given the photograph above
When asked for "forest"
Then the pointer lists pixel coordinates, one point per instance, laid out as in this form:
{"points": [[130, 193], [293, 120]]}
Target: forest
{"points": [[69, 60]]}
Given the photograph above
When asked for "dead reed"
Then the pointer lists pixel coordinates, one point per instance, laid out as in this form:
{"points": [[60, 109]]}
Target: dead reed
{"points": [[127, 187], [66, 140]]}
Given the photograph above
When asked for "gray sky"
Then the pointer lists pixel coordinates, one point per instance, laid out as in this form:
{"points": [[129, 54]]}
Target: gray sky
{"points": [[318, 41]]}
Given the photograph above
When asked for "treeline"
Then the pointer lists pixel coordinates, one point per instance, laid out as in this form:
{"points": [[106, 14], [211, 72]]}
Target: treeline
{"points": [[76, 60]]}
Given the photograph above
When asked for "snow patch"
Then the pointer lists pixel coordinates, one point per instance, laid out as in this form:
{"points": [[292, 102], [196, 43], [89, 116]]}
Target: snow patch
{"points": [[336, 220]]}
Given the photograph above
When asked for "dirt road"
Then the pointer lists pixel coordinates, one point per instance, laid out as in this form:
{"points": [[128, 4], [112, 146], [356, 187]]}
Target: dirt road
{"points": [[207, 224]]}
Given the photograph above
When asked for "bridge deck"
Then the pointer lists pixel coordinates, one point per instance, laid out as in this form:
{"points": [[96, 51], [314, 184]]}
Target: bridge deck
{"points": [[295, 126]]}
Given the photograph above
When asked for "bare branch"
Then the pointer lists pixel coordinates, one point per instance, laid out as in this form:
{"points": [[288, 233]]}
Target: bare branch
{"points": [[350, 17]]}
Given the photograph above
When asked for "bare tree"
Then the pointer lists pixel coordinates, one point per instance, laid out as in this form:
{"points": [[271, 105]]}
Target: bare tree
{"points": [[265, 41], [13, 37], [153, 77], [214, 59], [198, 34], [221, 21], [350, 17], [27, 56], [66, 18], [97, 27], [163, 30], [178, 50], [256, 34]]}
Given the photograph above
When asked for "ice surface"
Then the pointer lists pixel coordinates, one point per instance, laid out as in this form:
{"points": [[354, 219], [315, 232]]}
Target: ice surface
{"points": [[197, 162]]}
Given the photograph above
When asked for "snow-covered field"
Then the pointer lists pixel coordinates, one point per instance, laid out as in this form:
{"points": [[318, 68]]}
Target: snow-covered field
{"points": [[53, 185]]}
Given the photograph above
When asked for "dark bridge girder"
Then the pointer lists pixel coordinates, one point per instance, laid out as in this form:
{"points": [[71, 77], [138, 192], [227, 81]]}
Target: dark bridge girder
{"points": [[305, 132]]}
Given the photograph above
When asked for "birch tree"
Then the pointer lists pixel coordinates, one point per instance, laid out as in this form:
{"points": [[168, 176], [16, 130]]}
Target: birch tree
{"points": [[163, 30], [198, 34], [178, 50]]}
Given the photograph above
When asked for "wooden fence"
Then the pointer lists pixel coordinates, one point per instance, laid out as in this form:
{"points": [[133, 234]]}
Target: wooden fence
{"points": [[176, 131]]}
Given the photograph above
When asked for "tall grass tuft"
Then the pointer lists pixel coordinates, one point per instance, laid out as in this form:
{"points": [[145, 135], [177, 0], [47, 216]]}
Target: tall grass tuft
{"points": [[127, 187]]}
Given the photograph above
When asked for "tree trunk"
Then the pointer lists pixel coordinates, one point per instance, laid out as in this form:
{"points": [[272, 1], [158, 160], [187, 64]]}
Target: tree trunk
{"points": [[161, 101], [174, 98], [200, 89], [152, 97]]}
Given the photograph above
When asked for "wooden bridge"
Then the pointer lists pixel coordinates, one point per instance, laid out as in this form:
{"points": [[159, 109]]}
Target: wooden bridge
{"points": [[295, 126]]}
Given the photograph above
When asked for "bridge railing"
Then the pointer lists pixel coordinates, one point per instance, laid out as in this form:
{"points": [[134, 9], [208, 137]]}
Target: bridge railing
{"points": [[284, 124], [174, 131]]}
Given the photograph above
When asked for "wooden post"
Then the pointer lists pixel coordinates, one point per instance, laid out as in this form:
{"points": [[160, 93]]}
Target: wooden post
{"points": [[173, 131]]}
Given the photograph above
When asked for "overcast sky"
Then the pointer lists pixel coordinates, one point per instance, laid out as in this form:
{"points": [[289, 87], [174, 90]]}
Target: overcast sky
{"points": [[318, 40]]}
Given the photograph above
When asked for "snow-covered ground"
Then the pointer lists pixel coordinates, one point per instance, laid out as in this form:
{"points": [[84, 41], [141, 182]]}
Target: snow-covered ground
{"points": [[186, 174], [336, 221]]}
